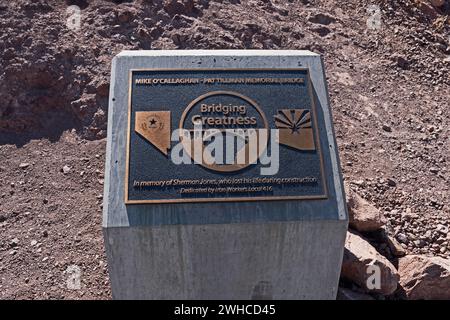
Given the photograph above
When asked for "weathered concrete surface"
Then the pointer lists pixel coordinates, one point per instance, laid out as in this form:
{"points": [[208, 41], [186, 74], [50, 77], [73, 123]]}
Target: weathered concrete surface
{"points": [[273, 249], [240, 261]]}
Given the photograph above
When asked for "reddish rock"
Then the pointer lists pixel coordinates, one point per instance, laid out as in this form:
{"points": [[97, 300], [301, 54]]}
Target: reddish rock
{"points": [[174, 7], [103, 88], [363, 215], [425, 278], [358, 256], [438, 3], [427, 8]]}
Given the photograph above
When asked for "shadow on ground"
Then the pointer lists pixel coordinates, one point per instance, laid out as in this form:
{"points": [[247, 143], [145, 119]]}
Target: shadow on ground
{"points": [[52, 127]]}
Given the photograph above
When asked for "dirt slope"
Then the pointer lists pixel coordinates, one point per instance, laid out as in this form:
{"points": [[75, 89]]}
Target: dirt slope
{"points": [[389, 88]]}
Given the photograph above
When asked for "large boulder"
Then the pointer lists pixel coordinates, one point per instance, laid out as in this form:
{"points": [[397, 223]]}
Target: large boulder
{"points": [[425, 277], [363, 216], [358, 256]]}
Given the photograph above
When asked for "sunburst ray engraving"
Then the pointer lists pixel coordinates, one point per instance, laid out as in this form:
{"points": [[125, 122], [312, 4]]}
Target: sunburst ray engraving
{"points": [[295, 128]]}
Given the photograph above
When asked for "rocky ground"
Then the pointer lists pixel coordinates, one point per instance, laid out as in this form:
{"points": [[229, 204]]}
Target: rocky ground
{"points": [[389, 87], [50, 219]]}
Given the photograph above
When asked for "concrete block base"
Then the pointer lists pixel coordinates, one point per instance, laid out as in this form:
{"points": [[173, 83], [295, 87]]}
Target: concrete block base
{"points": [[282, 260]]}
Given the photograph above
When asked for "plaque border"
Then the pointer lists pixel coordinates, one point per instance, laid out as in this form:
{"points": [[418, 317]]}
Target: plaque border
{"points": [[224, 199]]}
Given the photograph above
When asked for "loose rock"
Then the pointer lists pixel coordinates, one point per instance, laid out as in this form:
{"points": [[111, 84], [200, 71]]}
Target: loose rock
{"points": [[363, 215], [358, 256], [321, 18], [103, 88], [437, 3], [66, 169], [401, 61], [395, 247], [14, 242], [424, 277]]}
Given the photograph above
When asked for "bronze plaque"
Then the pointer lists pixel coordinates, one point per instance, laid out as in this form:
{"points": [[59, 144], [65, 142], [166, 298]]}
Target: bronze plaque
{"points": [[206, 135]]}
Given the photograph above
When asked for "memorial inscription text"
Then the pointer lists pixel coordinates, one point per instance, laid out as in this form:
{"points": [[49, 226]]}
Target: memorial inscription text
{"points": [[201, 135]]}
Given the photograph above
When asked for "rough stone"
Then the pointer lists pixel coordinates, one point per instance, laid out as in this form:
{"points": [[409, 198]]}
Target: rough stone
{"points": [[425, 277], [173, 7], [66, 169], [359, 254], [125, 16], [438, 3], [363, 215], [391, 182], [14, 242], [401, 61], [395, 247], [321, 18], [103, 88], [402, 238], [24, 165], [427, 8]]}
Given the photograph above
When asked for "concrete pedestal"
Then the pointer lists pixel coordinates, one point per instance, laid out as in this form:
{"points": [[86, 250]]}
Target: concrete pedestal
{"points": [[290, 249]]}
